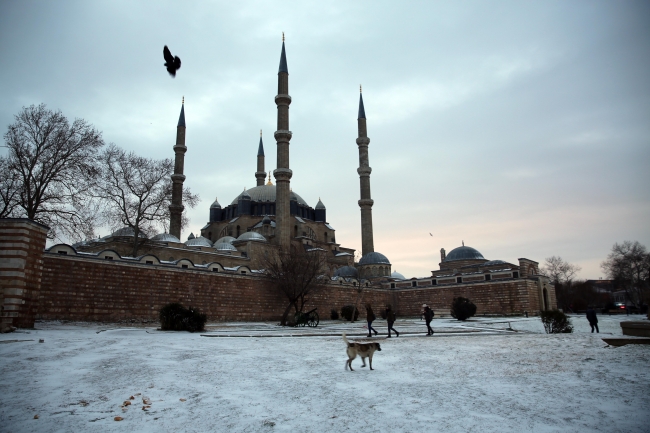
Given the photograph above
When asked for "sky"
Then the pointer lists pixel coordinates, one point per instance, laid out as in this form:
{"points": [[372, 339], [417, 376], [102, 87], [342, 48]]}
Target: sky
{"points": [[519, 128]]}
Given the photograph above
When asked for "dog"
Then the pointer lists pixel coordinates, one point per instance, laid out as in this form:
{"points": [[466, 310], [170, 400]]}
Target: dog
{"points": [[364, 350]]}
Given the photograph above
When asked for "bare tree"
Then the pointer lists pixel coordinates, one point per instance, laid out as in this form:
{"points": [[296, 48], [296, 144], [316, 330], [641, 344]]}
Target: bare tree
{"points": [[9, 190], [51, 164], [297, 274], [136, 193], [628, 264], [561, 273]]}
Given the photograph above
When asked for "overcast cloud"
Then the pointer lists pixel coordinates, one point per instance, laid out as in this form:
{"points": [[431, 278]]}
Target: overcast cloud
{"points": [[522, 128]]}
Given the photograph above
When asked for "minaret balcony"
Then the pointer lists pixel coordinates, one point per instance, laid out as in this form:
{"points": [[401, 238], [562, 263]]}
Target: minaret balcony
{"points": [[282, 134], [364, 171], [281, 174], [363, 141], [282, 99]]}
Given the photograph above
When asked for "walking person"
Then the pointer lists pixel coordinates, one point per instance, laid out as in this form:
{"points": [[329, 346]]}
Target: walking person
{"points": [[390, 318], [593, 320], [428, 317], [370, 317]]}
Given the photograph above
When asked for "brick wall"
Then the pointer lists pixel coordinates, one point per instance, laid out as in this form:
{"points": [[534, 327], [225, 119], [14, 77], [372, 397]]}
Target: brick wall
{"points": [[91, 289], [21, 251]]}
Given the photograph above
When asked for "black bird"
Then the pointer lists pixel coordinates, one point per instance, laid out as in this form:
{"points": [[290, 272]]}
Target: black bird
{"points": [[172, 63]]}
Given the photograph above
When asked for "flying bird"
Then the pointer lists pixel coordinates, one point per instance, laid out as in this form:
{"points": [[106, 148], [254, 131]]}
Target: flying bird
{"points": [[172, 63]]}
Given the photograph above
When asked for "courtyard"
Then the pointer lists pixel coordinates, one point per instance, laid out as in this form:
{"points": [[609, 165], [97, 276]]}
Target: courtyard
{"points": [[483, 375]]}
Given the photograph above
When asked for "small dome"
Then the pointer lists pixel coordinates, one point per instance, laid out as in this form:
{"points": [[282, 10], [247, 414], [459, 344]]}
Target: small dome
{"points": [[374, 258], [251, 236], [199, 241], [464, 253], [215, 205], [319, 205], [347, 272], [397, 276], [191, 236], [494, 262], [266, 220], [226, 239], [165, 237], [224, 247]]}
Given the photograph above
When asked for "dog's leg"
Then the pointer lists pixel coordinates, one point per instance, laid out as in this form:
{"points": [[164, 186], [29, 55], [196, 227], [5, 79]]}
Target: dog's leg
{"points": [[370, 361], [363, 359]]}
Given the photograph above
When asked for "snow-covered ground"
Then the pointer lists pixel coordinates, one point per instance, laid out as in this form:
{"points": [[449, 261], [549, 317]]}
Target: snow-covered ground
{"points": [[476, 376]]}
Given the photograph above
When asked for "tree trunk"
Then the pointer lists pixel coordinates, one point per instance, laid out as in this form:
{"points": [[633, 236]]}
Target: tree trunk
{"points": [[283, 321]]}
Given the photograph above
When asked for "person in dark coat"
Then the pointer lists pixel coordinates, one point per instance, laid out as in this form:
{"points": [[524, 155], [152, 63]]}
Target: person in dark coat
{"points": [[593, 320], [390, 318], [428, 317], [370, 317]]}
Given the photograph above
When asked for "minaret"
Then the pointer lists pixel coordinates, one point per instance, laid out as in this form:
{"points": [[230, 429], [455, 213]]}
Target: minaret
{"points": [[364, 170], [260, 174], [176, 208], [283, 173]]}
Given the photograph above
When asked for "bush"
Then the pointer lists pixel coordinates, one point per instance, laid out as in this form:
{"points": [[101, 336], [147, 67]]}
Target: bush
{"points": [[175, 317], [346, 313], [334, 315], [462, 308], [555, 322]]}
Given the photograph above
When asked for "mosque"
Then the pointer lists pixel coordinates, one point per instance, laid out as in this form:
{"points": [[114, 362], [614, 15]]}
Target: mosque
{"points": [[268, 216]]}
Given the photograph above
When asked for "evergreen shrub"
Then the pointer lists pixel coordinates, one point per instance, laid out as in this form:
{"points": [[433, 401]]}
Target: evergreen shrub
{"points": [[556, 322], [462, 308], [346, 313], [175, 317]]}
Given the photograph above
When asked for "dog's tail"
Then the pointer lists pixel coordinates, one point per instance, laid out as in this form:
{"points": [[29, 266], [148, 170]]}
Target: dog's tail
{"points": [[347, 343]]}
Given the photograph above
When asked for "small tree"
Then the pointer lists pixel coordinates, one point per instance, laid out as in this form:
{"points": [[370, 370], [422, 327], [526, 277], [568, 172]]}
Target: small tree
{"points": [[297, 274], [347, 313], [175, 317], [136, 192], [462, 308], [49, 169], [555, 322]]}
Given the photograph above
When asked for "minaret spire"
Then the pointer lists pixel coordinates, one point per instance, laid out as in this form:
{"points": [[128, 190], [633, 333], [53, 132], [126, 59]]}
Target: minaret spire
{"points": [[364, 170], [176, 208], [282, 173], [260, 174]]}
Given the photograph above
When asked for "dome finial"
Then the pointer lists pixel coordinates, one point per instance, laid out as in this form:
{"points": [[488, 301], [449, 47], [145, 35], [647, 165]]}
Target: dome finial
{"points": [[269, 182], [462, 242]]}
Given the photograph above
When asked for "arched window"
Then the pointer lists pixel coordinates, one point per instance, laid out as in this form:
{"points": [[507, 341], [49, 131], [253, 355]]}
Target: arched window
{"points": [[238, 231]]}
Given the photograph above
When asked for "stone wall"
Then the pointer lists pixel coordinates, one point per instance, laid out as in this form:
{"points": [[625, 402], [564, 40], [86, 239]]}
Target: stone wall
{"points": [[21, 251]]}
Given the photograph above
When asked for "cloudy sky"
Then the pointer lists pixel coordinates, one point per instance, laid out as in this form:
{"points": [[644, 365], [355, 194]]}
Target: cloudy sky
{"points": [[521, 128]]}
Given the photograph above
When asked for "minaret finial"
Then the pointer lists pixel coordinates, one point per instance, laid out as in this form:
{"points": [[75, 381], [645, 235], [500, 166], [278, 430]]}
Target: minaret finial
{"points": [[183, 100], [360, 89], [282, 36], [260, 132]]}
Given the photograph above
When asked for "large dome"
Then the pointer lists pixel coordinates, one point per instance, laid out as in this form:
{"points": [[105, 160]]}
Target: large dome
{"points": [[266, 193], [373, 259], [464, 253]]}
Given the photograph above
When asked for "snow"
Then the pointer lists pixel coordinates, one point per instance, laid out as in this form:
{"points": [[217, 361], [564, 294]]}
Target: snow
{"points": [[474, 376]]}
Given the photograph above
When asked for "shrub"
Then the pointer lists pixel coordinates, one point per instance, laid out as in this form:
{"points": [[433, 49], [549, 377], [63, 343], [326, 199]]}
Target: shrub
{"points": [[555, 322], [346, 313], [462, 308], [175, 317], [334, 315]]}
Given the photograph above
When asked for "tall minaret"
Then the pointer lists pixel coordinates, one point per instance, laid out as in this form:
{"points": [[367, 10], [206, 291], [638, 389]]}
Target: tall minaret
{"points": [[364, 170], [283, 173], [260, 174], [176, 208]]}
